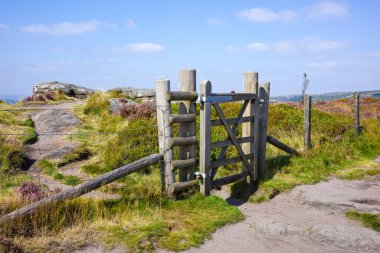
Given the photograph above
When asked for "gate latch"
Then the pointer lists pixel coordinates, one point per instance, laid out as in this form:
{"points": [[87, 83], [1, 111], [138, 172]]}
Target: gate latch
{"points": [[199, 175]]}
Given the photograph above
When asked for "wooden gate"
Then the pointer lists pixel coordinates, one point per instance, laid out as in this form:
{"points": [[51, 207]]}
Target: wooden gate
{"points": [[179, 172], [251, 146]]}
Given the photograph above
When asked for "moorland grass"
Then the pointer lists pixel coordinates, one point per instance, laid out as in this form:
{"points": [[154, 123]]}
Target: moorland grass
{"points": [[50, 169], [368, 220]]}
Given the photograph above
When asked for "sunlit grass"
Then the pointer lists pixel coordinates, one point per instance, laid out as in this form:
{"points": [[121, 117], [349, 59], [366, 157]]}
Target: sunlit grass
{"points": [[368, 220]]}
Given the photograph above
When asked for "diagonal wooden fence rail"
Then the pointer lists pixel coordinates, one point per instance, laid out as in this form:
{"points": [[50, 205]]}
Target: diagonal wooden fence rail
{"points": [[84, 188]]}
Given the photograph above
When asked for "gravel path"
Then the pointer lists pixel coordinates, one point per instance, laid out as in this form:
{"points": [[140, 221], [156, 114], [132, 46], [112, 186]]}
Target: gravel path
{"points": [[52, 125]]}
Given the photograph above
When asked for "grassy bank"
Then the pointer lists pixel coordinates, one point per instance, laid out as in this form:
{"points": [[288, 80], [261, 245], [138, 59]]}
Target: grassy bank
{"points": [[16, 130]]}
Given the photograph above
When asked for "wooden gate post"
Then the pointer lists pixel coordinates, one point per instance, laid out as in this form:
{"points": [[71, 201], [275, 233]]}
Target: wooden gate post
{"points": [[357, 112], [187, 82], [307, 121], [262, 125], [205, 138], [248, 129], [164, 130]]}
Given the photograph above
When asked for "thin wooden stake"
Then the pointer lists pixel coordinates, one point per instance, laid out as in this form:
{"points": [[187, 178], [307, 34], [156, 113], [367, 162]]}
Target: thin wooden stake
{"points": [[357, 112], [307, 121]]}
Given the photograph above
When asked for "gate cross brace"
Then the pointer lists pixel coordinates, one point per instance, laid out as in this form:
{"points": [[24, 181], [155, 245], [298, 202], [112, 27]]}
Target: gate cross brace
{"points": [[231, 133], [234, 128]]}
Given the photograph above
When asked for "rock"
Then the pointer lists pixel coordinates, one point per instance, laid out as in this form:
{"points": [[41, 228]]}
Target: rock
{"points": [[340, 195], [274, 228], [117, 103], [62, 151], [348, 237], [70, 90], [146, 94], [55, 121]]}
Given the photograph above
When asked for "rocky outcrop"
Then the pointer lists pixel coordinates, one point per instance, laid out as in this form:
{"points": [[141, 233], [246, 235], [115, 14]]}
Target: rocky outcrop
{"points": [[70, 90], [133, 93]]}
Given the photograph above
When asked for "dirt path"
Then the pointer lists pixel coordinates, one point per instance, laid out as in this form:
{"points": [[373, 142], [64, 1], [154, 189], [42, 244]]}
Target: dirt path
{"points": [[53, 124], [310, 218]]}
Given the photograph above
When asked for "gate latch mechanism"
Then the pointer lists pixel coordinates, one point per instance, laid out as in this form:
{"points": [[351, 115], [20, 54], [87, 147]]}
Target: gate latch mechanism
{"points": [[199, 175]]}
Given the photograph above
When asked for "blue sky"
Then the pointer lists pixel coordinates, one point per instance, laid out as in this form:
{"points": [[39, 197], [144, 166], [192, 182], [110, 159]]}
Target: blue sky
{"points": [[107, 44]]}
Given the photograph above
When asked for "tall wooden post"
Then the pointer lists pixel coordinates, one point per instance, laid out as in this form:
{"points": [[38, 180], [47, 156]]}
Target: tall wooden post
{"points": [[205, 138], [164, 129], [187, 82], [262, 125], [357, 112], [307, 122], [248, 129]]}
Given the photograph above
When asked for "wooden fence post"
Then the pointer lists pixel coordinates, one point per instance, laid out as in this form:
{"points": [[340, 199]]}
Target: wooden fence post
{"points": [[248, 129], [357, 112], [187, 82], [307, 122], [262, 115], [205, 138], [164, 129]]}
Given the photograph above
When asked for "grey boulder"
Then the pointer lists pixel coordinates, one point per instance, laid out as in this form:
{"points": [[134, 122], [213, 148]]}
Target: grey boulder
{"points": [[69, 89]]}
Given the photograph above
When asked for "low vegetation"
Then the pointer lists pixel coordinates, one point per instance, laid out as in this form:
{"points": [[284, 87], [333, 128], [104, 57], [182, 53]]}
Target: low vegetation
{"points": [[143, 219], [335, 147], [368, 220], [15, 132], [49, 168]]}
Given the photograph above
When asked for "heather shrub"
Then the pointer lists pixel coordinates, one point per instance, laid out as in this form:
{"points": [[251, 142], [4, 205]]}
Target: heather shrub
{"points": [[137, 111], [46, 96], [30, 191]]}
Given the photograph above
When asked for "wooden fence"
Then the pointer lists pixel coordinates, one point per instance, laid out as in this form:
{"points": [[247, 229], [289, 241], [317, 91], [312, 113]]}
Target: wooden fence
{"points": [[180, 173], [186, 163], [307, 118]]}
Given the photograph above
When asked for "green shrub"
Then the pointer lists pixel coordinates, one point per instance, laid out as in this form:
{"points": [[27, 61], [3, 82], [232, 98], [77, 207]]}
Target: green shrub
{"points": [[12, 156], [97, 104]]}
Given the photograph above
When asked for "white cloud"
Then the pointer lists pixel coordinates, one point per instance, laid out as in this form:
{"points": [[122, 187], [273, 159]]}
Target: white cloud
{"points": [[327, 9], [266, 15], [140, 48], [67, 28], [323, 65], [279, 47], [3, 26], [257, 47], [216, 22], [316, 44], [131, 24]]}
